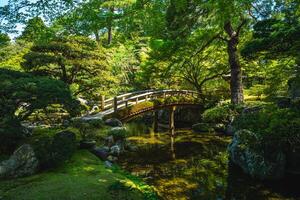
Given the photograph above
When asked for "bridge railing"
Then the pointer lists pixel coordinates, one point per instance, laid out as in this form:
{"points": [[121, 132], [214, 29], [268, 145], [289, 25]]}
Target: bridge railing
{"points": [[124, 100]]}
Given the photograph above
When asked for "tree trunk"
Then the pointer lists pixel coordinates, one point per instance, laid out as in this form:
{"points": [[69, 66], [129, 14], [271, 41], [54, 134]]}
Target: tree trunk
{"points": [[236, 85], [109, 27], [64, 74], [97, 36], [109, 38]]}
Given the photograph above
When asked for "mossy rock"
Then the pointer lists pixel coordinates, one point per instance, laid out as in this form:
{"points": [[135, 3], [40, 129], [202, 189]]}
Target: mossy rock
{"points": [[247, 152], [118, 133]]}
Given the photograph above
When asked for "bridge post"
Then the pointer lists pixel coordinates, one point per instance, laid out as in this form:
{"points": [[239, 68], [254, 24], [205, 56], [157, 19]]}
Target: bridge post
{"points": [[171, 120], [155, 121], [102, 102], [115, 104], [136, 100]]}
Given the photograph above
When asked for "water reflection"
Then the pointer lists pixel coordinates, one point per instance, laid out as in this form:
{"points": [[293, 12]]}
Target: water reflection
{"points": [[195, 166]]}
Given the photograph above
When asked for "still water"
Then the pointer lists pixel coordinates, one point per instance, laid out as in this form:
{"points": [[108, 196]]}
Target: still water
{"points": [[195, 166]]}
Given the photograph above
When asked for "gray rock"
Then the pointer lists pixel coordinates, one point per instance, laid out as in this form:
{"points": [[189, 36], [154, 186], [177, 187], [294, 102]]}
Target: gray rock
{"points": [[108, 164], [112, 158], [101, 152], [253, 161], [221, 128], [229, 130], [23, 162], [113, 122], [66, 123], [130, 147], [121, 144], [87, 144], [115, 150], [109, 141]]}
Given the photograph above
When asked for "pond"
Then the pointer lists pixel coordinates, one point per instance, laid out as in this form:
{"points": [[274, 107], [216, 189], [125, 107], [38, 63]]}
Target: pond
{"points": [[195, 166]]}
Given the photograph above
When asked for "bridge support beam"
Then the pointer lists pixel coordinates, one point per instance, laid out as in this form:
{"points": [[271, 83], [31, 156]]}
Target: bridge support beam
{"points": [[155, 122], [115, 104], [171, 121], [102, 102]]}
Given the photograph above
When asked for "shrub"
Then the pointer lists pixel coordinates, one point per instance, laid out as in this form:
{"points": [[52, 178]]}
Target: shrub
{"points": [[118, 133], [277, 128], [21, 94], [220, 114], [87, 127], [11, 135], [53, 151]]}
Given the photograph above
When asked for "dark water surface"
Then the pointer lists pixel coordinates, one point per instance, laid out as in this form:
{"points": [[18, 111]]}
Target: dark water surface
{"points": [[195, 166]]}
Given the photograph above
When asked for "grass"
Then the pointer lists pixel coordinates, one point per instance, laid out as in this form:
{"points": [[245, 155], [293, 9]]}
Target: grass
{"points": [[83, 177]]}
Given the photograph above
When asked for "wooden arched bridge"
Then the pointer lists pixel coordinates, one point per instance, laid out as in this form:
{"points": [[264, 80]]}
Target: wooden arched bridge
{"points": [[120, 102], [120, 106]]}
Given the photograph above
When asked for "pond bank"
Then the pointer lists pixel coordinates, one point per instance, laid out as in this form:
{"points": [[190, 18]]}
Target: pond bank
{"points": [[195, 166], [84, 177]]}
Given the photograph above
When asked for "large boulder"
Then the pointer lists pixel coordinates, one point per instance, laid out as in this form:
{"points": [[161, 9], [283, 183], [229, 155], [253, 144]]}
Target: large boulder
{"points": [[101, 152], [220, 128], [87, 144], [252, 160], [113, 122], [23, 162]]}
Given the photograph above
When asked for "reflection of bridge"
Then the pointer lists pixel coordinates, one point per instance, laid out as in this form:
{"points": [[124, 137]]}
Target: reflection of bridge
{"points": [[122, 103]]}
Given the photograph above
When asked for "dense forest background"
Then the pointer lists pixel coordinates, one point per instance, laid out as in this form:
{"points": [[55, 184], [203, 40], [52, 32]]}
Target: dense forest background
{"points": [[60, 60], [64, 51], [108, 47]]}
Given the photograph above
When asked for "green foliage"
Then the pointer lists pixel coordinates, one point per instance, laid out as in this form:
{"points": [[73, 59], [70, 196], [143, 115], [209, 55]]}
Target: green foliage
{"points": [[4, 39], [202, 127], [21, 95], [118, 133], [294, 85], [274, 126], [54, 151], [19, 11], [135, 184], [83, 177], [223, 113], [257, 90], [11, 135], [77, 61], [87, 127], [11, 55], [36, 31]]}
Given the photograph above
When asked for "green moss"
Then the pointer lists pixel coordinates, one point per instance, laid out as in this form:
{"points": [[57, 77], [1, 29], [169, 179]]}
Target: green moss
{"points": [[83, 177]]}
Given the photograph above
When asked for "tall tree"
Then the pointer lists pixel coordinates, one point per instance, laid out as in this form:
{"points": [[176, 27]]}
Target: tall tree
{"points": [[35, 30], [77, 61], [4, 39], [19, 11], [225, 20]]}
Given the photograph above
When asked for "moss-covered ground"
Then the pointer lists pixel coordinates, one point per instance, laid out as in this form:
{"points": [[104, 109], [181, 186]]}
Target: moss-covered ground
{"points": [[82, 177]]}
